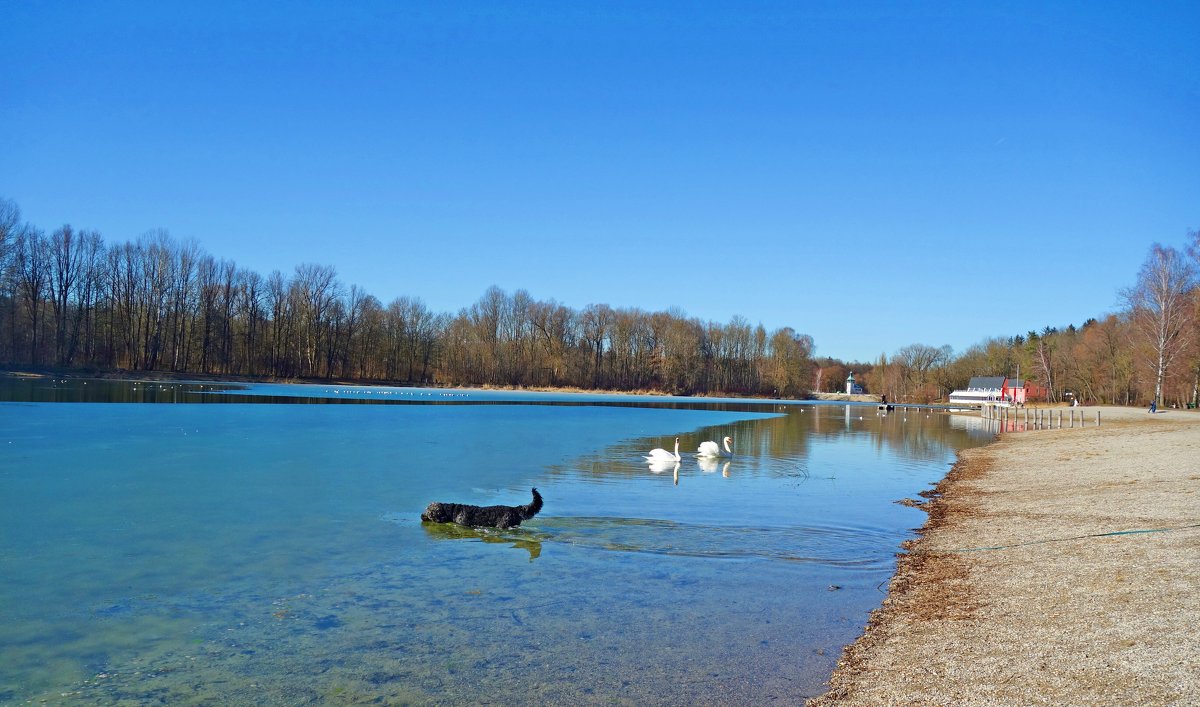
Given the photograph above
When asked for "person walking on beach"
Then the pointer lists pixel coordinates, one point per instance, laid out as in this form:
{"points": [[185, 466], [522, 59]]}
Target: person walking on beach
{"points": [[1153, 406]]}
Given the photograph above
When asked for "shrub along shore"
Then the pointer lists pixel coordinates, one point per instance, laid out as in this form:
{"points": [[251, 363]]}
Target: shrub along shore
{"points": [[1056, 567]]}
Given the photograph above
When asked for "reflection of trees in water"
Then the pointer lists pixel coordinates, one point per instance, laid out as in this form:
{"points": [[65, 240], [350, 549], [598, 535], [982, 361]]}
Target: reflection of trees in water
{"points": [[785, 439], [923, 435], [43, 389], [919, 435]]}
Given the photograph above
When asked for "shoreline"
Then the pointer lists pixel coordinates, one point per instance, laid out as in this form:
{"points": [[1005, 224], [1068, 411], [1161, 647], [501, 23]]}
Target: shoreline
{"points": [[158, 376], [1055, 567]]}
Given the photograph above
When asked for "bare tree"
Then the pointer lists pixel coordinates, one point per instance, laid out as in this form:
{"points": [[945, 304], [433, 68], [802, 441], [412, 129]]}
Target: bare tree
{"points": [[80, 290], [208, 281], [1194, 251], [184, 302], [10, 221], [401, 331], [1043, 350], [1162, 309], [250, 314], [595, 322], [10, 226], [555, 325], [153, 289], [789, 367], [283, 325], [315, 289], [738, 356], [33, 275], [66, 269], [918, 363]]}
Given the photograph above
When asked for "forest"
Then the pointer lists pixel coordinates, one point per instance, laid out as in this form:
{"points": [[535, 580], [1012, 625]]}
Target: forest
{"points": [[70, 301]]}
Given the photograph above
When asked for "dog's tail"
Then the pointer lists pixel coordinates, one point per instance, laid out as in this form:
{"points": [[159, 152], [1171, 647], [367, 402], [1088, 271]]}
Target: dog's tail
{"points": [[530, 510]]}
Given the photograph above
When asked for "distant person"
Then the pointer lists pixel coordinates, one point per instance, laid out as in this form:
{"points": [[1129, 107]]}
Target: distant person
{"points": [[1153, 406]]}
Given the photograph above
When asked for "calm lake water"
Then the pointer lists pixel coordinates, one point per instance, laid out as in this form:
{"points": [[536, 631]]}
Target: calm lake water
{"points": [[267, 548]]}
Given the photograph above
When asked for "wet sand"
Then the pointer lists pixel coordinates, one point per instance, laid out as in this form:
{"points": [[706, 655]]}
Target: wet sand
{"points": [[1056, 567]]}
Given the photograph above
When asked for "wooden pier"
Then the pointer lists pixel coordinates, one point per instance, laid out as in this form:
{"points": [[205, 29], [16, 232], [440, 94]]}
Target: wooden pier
{"points": [[1005, 418]]}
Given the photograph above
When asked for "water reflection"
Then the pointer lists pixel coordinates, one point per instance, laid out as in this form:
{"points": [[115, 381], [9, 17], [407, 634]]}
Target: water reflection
{"points": [[242, 549], [47, 389], [711, 464], [513, 538], [44, 388], [658, 466], [803, 443], [857, 547]]}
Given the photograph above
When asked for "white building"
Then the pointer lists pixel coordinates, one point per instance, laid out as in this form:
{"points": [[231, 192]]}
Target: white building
{"points": [[991, 389]]}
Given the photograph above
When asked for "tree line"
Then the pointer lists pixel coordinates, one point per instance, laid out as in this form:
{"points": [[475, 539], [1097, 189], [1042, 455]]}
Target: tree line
{"points": [[1148, 350], [69, 300]]}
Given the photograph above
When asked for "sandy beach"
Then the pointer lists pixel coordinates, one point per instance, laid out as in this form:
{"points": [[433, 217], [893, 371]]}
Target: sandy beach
{"points": [[1057, 567]]}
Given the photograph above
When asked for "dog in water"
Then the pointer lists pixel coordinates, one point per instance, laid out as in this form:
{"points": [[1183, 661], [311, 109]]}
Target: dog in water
{"points": [[483, 516]]}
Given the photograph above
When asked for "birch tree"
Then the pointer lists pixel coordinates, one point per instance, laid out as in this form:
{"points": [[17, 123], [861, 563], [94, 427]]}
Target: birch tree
{"points": [[1161, 307]]}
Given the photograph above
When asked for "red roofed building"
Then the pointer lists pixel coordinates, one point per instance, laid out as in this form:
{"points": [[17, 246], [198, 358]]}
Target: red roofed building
{"points": [[998, 389]]}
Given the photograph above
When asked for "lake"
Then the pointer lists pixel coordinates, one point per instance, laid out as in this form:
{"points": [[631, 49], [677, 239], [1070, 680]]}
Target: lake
{"points": [[165, 542]]}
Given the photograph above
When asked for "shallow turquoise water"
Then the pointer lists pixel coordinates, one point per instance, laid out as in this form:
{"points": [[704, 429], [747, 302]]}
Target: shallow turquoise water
{"points": [[273, 552]]}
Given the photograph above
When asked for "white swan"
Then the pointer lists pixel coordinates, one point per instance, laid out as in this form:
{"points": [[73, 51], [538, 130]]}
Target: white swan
{"points": [[710, 449], [661, 455]]}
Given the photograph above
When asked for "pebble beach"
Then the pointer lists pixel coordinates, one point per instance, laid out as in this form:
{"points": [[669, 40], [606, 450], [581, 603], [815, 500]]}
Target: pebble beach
{"points": [[1056, 567]]}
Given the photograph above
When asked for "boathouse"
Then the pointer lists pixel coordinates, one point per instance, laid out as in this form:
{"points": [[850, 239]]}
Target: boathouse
{"points": [[992, 389]]}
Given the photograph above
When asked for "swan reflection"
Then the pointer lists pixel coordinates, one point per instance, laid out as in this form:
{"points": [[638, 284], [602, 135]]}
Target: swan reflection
{"points": [[711, 464], [658, 466]]}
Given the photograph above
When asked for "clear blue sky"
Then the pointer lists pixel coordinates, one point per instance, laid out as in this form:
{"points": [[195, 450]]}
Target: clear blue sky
{"points": [[871, 174]]}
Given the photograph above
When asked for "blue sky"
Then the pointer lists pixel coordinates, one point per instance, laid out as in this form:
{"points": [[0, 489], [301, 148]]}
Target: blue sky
{"points": [[870, 174]]}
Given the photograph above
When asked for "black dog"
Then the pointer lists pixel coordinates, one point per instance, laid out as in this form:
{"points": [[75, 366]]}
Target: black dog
{"points": [[483, 516]]}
